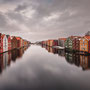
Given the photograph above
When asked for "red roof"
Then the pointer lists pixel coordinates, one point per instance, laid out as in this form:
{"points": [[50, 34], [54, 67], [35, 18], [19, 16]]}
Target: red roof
{"points": [[3, 35], [88, 37], [62, 39], [18, 38]]}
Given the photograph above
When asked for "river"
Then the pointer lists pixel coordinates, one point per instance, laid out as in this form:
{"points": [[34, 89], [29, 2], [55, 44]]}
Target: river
{"points": [[44, 68]]}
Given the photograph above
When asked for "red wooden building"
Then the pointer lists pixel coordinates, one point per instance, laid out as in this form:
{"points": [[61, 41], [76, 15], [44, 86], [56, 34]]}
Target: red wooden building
{"points": [[55, 42], [14, 42], [9, 42], [0, 43], [19, 42], [76, 43]]}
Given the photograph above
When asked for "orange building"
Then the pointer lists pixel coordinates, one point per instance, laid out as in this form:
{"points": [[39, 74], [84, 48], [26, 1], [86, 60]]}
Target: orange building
{"points": [[48, 42], [84, 44], [52, 43], [88, 37], [25, 42]]}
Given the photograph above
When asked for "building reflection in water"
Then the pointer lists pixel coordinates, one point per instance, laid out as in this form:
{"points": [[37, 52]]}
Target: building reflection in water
{"points": [[50, 49], [72, 58], [79, 60], [6, 58]]}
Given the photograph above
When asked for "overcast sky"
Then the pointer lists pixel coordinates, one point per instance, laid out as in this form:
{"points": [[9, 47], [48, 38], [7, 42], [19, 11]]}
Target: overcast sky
{"points": [[43, 19]]}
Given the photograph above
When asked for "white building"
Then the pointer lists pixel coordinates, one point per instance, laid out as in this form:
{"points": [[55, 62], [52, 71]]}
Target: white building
{"points": [[5, 43]]}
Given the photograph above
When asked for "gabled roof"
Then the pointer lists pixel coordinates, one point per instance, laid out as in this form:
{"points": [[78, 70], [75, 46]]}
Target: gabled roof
{"points": [[74, 36], [84, 38], [18, 38], [7, 36], [13, 37], [88, 33], [88, 37], [3, 35], [62, 39]]}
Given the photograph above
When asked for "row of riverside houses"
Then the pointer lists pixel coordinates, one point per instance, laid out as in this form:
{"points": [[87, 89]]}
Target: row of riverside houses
{"points": [[8, 43], [73, 43]]}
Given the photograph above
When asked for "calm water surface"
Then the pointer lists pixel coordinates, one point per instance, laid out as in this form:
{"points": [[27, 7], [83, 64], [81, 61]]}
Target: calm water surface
{"points": [[38, 68]]}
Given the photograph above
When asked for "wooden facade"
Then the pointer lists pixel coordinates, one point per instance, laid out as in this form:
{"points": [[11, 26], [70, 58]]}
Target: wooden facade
{"points": [[55, 42], [14, 43], [68, 43], [76, 43], [88, 37], [61, 42], [51, 43], [9, 42], [84, 44], [5, 43], [48, 43], [1, 44], [19, 42]]}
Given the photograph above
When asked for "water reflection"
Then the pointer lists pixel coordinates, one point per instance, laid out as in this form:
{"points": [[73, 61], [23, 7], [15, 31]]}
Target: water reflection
{"points": [[78, 60], [6, 58], [72, 58], [40, 70]]}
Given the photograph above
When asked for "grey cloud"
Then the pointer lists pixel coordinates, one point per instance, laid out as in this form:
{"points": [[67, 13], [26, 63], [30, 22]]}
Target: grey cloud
{"points": [[3, 20], [10, 1], [73, 18], [16, 16], [21, 7]]}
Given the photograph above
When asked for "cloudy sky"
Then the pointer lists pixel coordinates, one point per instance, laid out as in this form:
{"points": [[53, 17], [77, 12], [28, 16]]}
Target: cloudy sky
{"points": [[43, 19]]}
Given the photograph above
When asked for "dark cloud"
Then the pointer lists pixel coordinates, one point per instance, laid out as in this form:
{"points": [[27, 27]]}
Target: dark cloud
{"points": [[3, 20], [21, 7]]}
